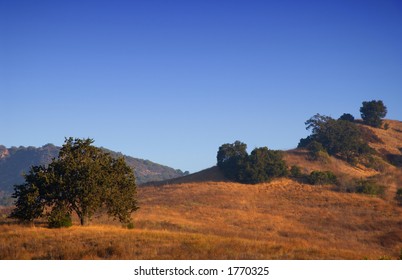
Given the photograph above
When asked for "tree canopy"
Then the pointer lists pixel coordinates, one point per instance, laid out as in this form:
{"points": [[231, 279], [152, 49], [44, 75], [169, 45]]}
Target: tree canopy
{"points": [[372, 112], [338, 137], [260, 166], [83, 179], [264, 165], [231, 159], [347, 117]]}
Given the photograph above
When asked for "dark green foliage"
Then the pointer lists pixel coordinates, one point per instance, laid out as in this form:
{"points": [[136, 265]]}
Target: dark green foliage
{"points": [[347, 117], [372, 112], [304, 142], [316, 150], [228, 151], [120, 195], [59, 217], [30, 196], [295, 172], [395, 159], [322, 178], [232, 159], [338, 138], [369, 187], [263, 165], [83, 179], [260, 166], [398, 196]]}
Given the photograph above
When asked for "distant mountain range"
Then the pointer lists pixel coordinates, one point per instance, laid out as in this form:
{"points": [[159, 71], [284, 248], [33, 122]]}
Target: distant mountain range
{"points": [[15, 161]]}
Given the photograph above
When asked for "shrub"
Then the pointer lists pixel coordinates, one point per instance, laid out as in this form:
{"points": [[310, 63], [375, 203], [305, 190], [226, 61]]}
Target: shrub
{"points": [[395, 159], [316, 151], [398, 197], [374, 162], [59, 217], [322, 178], [369, 187], [295, 171]]}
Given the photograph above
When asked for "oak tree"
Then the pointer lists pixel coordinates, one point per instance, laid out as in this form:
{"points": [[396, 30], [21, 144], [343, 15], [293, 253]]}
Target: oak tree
{"points": [[372, 112], [82, 180]]}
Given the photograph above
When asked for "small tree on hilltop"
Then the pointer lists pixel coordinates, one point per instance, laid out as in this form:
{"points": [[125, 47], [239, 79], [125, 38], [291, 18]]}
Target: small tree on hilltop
{"points": [[372, 112], [231, 159], [347, 117]]}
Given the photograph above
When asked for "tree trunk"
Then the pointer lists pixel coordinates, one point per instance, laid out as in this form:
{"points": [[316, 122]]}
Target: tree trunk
{"points": [[83, 221]]}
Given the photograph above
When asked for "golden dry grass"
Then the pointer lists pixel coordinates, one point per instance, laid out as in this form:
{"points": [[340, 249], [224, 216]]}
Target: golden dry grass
{"points": [[339, 167], [289, 214], [278, 220], [391, 138]]}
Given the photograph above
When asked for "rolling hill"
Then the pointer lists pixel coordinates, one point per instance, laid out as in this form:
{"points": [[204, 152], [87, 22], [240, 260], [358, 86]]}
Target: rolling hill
{"points": [[205, 216], [386, 143]]}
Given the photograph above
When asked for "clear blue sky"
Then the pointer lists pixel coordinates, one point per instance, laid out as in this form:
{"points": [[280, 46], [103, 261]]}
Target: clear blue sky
{"points": [[171, 81]]}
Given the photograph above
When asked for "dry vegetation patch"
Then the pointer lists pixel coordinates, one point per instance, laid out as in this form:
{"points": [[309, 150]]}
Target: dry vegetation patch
{"points": [[279, 220]]}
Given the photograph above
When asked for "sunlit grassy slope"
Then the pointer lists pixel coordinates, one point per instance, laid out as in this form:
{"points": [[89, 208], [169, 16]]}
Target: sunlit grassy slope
{"points": [[279, 220], [203, 216]]}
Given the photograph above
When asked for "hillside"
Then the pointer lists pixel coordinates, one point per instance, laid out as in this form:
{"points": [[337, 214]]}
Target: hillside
{"points": [[205, 216], [212, 174], [387, 144], [223, 220], [15, 161]]}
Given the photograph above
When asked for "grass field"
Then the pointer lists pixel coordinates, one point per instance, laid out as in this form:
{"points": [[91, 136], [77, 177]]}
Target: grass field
{"points": [[278, 220]]}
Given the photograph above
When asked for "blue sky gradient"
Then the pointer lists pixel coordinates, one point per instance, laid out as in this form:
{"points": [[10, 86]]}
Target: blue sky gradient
{"points": [[171, 81]]}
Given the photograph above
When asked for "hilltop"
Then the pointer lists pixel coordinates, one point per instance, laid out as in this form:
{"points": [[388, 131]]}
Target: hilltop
{"points": [[387, 144]]}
